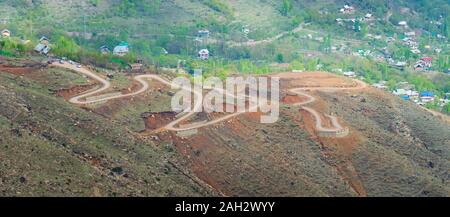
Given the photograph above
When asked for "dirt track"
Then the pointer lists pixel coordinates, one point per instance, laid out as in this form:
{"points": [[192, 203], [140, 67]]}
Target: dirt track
{"points": [[172, 125], [337, 128], [265, 41]]}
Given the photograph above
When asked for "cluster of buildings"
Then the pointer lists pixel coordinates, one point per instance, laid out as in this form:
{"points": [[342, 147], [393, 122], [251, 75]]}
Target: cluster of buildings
{"points": [[43, 47], [407, 92], [424, 63], [367, 17], [411, 42], [123, 48], [352, 22], [410, 37]]}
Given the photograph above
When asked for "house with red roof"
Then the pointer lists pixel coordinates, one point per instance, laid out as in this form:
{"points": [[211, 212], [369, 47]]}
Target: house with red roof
{"points": [[424, 63]]}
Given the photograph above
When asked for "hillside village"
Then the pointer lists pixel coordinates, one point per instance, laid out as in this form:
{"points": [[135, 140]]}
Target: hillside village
{"points": [[408, 37], [403, 89]]}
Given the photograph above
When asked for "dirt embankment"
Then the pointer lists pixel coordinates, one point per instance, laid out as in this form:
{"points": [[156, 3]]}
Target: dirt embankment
{"points": [[21, 68], [337, 151], [157, 120], [68, 93], [205, 150]]}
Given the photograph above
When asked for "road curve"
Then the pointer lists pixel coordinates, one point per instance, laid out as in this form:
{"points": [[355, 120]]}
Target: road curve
{"points": [[336, 127], [105, 84]]}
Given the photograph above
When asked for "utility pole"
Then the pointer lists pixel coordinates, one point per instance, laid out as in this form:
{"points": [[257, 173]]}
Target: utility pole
{"points": [[84, 21], [31, 28]]}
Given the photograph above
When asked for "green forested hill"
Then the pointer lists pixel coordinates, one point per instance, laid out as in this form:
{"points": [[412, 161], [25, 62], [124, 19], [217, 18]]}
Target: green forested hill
{"points": [[49, 147], [154, 19], [152, 26]]}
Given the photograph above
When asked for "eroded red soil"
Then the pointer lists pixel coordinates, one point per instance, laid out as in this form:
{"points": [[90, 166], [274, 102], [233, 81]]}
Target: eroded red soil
{"points": [[73, 91]]}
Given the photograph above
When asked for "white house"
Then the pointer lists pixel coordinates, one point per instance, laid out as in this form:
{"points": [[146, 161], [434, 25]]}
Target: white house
{"points": [[399, 92], [400, 64], [203, 54], [410, 34], [403, 23], [424, 63], [6, 33], [347, 9], [122, 49], [412, 94], [350, 74]]}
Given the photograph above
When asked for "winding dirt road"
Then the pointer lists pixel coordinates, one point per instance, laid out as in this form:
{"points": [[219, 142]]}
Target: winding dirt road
{"points": [[145, 86], [172, 126], [336, 127]]}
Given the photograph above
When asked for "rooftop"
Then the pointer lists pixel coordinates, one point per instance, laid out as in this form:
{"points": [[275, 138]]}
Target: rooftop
{"points": [[427, 94]]}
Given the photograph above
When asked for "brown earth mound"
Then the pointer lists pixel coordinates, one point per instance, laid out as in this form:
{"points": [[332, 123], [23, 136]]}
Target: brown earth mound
{"points": [[157, 120], [73, 91]]}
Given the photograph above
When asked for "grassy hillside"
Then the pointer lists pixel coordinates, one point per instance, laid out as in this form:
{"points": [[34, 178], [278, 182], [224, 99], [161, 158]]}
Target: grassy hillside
{"points": [[109, 21], [51, 148], [153, 25]]}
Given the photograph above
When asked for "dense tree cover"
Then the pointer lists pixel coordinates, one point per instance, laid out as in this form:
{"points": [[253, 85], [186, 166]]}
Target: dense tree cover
{"points": [[13, 47], [137, 7], [219, 6], [177, 39], [443, 62], [286, 7], [378, 8], [65, 47]]}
